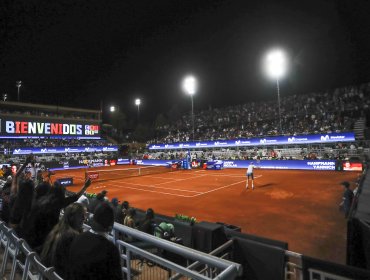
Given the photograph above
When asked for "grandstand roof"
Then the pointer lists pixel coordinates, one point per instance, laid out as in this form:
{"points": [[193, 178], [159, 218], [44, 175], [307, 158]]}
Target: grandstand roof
{"points": [[53, 108]]}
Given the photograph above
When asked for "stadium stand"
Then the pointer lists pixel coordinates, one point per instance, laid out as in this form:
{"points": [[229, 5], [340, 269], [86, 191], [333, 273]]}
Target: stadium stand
{"points": [[344, 109], [211, 250]]}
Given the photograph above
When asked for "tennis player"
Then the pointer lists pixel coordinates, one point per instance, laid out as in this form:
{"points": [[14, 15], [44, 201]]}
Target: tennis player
{"points": [[250, 169]]}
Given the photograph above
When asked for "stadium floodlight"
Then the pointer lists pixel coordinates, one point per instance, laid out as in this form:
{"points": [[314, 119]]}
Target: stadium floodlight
{"points": [[112, 109], [137, 103], [276, 66], [18, 84], [190, 85]]}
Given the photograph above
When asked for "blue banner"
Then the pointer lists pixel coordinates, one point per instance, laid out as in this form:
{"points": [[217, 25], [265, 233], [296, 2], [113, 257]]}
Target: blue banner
{"points": [[63, 150], [283, 164], [276, 140], [158, 162], [123, 161], [263, 164]]}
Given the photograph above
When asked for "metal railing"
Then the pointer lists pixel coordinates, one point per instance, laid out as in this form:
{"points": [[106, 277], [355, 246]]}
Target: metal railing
{"points": [[150, 257]]}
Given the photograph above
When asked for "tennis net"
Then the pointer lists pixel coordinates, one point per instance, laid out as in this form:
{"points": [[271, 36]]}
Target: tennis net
{"points": [[112, 174]]}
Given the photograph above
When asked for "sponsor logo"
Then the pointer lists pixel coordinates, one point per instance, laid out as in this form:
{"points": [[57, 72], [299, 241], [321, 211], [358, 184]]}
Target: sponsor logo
{"points": [[294, 139], [44, 150], [90, 161], [324, 138], [93, 176], [217, 143], [263, 141], [322, 165], [230, 164]]}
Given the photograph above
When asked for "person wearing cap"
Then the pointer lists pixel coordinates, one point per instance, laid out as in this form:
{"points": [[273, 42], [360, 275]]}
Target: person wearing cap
{"points": [[100, 197], [92, 255], [346, 203]]}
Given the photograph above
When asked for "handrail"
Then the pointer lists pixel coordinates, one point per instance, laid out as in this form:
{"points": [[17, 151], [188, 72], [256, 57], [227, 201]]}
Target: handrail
{"points": [[178, 249]]}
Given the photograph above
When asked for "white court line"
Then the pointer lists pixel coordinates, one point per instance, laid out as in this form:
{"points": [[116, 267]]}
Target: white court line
{"points": [[156, 187], [219, 188], [68, 175], [234, 176], [146, 190], [178, 180]]}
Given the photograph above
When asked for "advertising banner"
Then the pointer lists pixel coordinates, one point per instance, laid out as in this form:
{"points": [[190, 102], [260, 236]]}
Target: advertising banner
{"points": [[123, 161], [17, 127], [263, 164], [283, 164], [63, 150], [352, 166], [65, 181], [330, 165], [265, 141]]}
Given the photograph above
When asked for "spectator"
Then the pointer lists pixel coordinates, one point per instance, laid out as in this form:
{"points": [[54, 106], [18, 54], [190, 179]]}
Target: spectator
{"points": [[55, 251], [84, 200], [100, 197], [92, 255], [21, 207], [130, 218], [44, 214], [147, 224], [347, 199]]}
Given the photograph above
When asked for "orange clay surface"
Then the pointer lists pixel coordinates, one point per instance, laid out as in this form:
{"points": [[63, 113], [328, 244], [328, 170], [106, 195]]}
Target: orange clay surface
{"points": [[299, 207]]}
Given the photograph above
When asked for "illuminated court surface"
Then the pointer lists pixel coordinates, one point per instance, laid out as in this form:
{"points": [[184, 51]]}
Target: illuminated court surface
{"points": [[299, 207]]}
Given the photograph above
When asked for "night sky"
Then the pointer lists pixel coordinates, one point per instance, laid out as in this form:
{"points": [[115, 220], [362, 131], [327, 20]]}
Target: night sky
{"points": [[82, 53]]}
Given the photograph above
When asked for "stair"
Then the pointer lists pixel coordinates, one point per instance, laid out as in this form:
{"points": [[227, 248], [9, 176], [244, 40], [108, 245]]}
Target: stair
{"points": [[359, 128]]}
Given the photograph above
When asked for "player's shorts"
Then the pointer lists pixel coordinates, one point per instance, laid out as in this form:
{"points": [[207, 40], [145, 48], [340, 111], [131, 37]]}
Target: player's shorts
{"points": [[250, 175]]}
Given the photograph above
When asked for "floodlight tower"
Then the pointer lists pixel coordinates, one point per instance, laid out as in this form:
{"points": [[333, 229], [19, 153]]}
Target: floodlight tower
{"points": [[276, 64], [137, 103], [18, 84], [112, 109], [189, 85]]}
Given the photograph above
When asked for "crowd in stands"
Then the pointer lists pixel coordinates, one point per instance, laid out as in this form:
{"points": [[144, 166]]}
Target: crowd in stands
{"points": [[48, 114], [333, 151], [31, 205], [313, 113], [48, 142]]}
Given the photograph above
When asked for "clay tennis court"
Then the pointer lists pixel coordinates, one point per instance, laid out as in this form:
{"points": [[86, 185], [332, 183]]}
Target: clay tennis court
{"points": [[299, 207]]}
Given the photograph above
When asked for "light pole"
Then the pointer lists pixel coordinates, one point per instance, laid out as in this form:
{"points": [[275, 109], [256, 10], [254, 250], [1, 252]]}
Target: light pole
{"points": [[5, 96], [137, 103], [18, 84], [276, 64], [112, 109], [189, 85]]}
